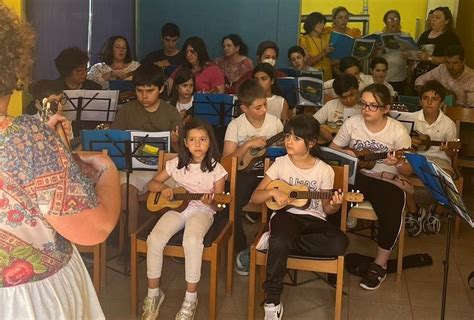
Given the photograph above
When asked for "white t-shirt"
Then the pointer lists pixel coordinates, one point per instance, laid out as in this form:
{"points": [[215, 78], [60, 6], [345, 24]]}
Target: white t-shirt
{"points": [[184, 106], [320, 176], [332, 113], [368, 79], [241, 130], [443, 129], [397, 65], [275, 105], [195, 181], [355, 134]]}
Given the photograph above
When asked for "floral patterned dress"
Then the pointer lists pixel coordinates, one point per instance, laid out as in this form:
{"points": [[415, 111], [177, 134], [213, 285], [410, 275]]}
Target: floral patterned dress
{"points": [[38, 177]]}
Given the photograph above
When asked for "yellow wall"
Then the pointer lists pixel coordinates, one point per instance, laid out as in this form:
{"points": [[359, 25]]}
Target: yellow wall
{"points": [[15, 107], [464, 28], [410, 11]]}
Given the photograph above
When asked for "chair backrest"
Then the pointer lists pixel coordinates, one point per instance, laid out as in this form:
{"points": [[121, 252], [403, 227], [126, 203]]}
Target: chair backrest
{"points": [[341, 181]]}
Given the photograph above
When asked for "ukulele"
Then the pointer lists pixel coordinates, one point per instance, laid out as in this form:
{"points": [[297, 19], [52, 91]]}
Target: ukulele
{"points": [[254, 154], [425, 143], [368, 159], [300, 194], [157, 203]]}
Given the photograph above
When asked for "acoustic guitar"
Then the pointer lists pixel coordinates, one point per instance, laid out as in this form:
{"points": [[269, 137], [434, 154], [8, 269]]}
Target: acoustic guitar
{"points": [[157, 203], [368, 159], [300, 194], [254, 154], [424, 143]]}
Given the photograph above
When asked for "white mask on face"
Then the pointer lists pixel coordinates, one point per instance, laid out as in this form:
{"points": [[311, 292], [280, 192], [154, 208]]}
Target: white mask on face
{"points": [[273, 62]]}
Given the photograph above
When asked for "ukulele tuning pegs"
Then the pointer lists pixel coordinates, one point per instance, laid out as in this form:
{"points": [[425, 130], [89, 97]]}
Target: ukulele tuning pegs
{"points": [[223, 206], [219, 205]]}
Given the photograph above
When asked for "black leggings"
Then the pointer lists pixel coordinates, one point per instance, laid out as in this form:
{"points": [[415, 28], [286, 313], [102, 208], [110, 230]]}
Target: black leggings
{"points": [[388, 202], [303, 235]]}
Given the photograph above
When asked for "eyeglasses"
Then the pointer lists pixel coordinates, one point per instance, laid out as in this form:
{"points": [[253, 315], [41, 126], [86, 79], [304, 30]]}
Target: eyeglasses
{"points": [[393, 19], [372, 107]]}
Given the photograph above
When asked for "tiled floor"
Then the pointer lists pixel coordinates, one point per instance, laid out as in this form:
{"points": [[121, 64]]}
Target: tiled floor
{"points": [[417, 296]]}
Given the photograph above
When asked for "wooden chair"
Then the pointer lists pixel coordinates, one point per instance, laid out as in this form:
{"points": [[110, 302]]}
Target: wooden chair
{"points": [[365, 211], [98, 251], [333, 265], [219, 237]]}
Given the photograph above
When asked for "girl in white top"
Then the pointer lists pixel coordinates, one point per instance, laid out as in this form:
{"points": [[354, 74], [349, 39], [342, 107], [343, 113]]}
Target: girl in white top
{"points": [[265, 75], [181, 94], [378, 69], [297, 230], [117, 62], [377, 132], [197, 170]]}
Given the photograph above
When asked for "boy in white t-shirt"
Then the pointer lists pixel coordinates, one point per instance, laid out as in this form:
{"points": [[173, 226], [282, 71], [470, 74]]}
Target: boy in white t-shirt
{"points": [[433, 122], [331, 115], [250, 130]]}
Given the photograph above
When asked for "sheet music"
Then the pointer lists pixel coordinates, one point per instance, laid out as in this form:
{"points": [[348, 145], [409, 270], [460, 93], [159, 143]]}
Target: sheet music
{"points": [[405, 118], [97, 105], [145, 155]]}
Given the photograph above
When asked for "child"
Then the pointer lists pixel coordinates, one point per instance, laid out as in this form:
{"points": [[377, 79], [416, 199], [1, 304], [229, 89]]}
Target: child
{"points": [[249, 130], [265, 75], [332, 113], [374, 130], [434, 123], [301, 231], [378, 69], [182, 92], [197, 170], [297, 57]]}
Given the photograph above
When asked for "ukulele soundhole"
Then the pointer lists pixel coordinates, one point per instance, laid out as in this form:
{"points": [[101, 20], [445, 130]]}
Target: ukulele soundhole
{"points": [[293, 194]]}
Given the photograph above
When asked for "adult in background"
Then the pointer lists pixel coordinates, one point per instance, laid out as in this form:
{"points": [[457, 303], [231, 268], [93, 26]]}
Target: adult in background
{"points": [[169, 55], [315, 41], [71, 64], [397, 64], [46, 202], [234, 62], [117, 62], [435, 41]]}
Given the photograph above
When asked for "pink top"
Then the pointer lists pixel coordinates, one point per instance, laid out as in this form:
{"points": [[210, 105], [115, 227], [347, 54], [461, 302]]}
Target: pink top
{"points": [[207, 79], [234, 71]]}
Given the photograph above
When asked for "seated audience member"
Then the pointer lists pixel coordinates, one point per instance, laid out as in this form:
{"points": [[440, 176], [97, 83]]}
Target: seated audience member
{"points": [[454, 75], [182, 92], [117, 63], [347, 65], [397, 72], [315, 42], [71, 64], [169, 55], [264, 73], [433, 122], [435, 41], [147, 113], [378, 69], [297, 57], [235, 62], [208, 77], [332, 113]]}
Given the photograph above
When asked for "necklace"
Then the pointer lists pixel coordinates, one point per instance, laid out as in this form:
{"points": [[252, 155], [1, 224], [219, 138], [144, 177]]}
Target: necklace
{"points": [[320, 49]]}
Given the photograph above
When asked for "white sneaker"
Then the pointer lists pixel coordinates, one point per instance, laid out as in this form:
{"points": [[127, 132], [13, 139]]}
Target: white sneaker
{"points": [[151, 306], [262, 244], [351, 222], [187, 311], [273, 312]]}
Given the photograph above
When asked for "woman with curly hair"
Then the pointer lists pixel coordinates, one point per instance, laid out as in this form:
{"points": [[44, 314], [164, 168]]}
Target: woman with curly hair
{"points": [[46, 202]]}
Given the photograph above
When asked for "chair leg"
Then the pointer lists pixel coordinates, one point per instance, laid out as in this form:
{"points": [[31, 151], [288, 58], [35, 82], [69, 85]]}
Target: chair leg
{"points": [[122, 230], [230, 265], [103, 262], [133, 277], [401, 244], [261, 279], [252, 285], [457, 226], [96, 268], [213, 285], [339, 286]]}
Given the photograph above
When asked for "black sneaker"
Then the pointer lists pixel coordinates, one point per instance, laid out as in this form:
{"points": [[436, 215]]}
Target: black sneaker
{"points": [[414, 222], [374, 277]]}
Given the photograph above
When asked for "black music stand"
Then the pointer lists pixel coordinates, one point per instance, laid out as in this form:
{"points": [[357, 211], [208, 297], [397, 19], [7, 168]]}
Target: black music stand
{"points": [[88, 108], [444, 191], [122, 149]]}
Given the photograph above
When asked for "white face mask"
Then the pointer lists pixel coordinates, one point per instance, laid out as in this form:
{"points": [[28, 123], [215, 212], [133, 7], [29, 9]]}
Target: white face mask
{"points": [[273, 62]]}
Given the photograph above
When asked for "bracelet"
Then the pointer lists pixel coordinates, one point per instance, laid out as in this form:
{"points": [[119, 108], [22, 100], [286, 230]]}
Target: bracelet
{"points": [[101, 171]]}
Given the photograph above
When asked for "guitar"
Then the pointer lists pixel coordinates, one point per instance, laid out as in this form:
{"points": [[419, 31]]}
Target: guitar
{"points": [[254, 154], [300, 194], [368, 159], [156, 203], [424, 143]]}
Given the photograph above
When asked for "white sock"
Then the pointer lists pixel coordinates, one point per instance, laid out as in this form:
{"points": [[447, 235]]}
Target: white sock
{"points": [[153, 292], [191, 296]]}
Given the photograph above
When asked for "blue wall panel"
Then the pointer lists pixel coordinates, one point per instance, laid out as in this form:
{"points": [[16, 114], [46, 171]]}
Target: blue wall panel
{"points": [[254, 20]]}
